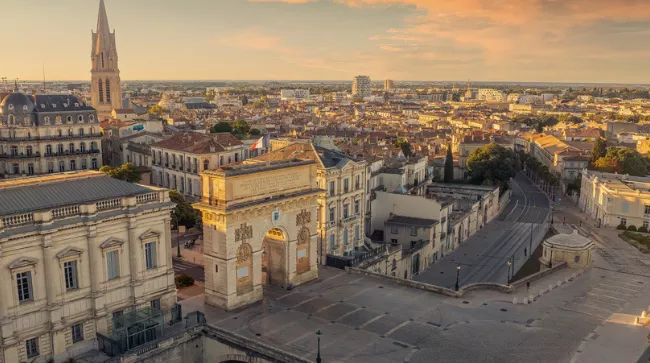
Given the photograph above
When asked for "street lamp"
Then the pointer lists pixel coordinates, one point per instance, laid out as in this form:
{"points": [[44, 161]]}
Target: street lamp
{"points": [[318, 359], [550, 260], [457, 276], [508, 280]]}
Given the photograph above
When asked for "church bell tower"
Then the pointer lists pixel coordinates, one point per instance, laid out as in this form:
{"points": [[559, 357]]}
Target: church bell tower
{"points": [[106, 89]]}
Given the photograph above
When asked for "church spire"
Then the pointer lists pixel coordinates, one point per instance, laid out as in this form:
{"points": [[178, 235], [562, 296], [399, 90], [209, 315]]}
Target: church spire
{"points": [[102, 20]]}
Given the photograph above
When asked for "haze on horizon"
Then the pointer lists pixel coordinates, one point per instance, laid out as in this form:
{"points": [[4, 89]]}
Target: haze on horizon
{"points": [[593, 41]]}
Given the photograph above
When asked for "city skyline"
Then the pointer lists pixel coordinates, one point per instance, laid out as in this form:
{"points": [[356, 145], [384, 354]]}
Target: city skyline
{"points": [[292, 40]]}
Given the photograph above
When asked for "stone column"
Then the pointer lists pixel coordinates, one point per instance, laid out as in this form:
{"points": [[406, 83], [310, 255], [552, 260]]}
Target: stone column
{"points": [[95, 257], [53, 287], [135, 253]]}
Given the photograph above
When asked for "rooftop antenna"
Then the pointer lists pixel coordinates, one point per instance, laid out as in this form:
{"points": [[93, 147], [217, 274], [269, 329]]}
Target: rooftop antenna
{"points": [[43, 77]]}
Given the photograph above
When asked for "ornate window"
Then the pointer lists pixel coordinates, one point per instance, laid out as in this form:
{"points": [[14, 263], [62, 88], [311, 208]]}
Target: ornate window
{"points": [[57, 120], [69, 119], [46, 120], [80, 118]]}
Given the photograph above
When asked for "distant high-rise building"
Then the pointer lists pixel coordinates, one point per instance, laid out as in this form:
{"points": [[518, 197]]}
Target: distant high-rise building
{"points": [[106, 90], [361, 86], [389, 84]]}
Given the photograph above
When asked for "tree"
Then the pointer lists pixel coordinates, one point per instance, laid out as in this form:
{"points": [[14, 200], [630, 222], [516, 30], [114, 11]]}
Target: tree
{"points": [[127, 172], [156, 110], [607, 165], [240, 127], [254, 132], [492, 164], [221, 127], [404, 145], [449, 166], [599, 150], [184, 214]]}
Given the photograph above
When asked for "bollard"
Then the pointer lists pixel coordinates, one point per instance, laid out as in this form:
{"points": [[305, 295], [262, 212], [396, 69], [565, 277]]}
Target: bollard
{"points": [[559, 283], [525, 300], [541, 292], [636, 320], [644, 314], [531, 298], [514, 301], [550, 287], [566, 279]]}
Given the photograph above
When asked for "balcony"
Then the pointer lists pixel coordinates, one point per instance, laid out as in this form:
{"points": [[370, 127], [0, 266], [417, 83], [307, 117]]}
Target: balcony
{"points": [[350, 219], [20, 156], [68, 153], [52, 137]]}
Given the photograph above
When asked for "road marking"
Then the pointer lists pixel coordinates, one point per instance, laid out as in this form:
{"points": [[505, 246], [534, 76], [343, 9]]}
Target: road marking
{"points": [[348, 313], [513, 209], [397, 327], [606, 296], [305, 301], [619, 287], [371, 321], [610, 291]]}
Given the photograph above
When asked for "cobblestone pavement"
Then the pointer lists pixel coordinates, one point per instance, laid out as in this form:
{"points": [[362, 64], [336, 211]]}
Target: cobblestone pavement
{"points": [[368, 319]]}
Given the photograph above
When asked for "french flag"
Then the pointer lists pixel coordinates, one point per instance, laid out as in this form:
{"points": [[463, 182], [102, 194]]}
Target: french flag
{"points": [[262, 143]]}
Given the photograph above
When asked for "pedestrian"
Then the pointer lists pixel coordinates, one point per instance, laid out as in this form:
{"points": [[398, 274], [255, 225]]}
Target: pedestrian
{"points": [[527, 286]]}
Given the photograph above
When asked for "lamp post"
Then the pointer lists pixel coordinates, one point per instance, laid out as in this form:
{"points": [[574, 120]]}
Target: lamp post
{"points": [[457, 276], [318, 359], [550, 260], [508, 280]]}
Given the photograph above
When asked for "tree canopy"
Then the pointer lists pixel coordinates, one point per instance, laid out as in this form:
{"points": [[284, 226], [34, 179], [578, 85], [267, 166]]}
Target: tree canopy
{"points": [[221, 126], [492, 164], [449, 166], [623, 161], [240, 127], [254, 132], [127, 172], [183, 212], [404, 145], [598, 151]]}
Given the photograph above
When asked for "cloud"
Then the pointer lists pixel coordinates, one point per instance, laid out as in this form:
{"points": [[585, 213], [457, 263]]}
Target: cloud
{"points": [[283, 1], [391, 47]]}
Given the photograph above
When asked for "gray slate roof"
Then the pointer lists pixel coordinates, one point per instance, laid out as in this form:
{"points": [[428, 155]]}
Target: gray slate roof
{"points": [[15, 200]]}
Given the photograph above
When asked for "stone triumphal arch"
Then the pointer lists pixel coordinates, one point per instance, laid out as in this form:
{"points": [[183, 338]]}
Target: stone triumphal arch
{"points": [[259, 227]]}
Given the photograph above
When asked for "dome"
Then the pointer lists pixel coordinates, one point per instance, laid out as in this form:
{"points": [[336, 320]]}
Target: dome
{"points": [[17, 103]]}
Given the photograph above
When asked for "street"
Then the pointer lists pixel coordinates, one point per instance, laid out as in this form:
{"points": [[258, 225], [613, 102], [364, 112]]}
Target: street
{"points": [[509, 237]]}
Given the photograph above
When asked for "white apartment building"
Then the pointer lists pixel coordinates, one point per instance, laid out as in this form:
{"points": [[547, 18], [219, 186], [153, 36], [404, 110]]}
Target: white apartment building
{"points": [[287, 94], [613, 199], [489, 94], [361, 86], [179, 160], [80, 251], [41, 134]]}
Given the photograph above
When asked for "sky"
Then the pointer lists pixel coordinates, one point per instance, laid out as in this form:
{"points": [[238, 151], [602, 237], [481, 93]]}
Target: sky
{"points": [[483, 40]]}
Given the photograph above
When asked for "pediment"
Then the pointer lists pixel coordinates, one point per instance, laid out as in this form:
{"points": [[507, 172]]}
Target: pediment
{"points": [[69, 252], [112, 242], [149, 234], [22, 262]]}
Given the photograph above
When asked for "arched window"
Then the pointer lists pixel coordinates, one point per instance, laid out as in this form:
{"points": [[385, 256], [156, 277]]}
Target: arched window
{"points": [[80, 118], [58, 120], [82, 147], [101, 90], [93, 146], [71, 148], [70, 132], [59, 132], [26, 121], [81, 131], [91, 118], [46, 120], [102, 54], [108, 91]]}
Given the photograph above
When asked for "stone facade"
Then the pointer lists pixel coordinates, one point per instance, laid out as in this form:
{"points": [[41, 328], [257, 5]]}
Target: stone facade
{"points": [[41, 134], [60, 290], [259, 226]]}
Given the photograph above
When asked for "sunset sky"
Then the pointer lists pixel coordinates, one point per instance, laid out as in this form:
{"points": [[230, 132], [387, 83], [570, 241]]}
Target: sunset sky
{"points": [[488, 40]]}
